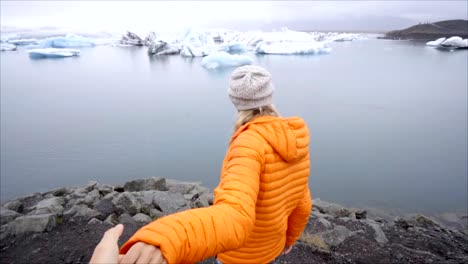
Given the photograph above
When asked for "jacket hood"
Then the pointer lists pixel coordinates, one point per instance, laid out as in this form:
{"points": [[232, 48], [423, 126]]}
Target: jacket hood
{"points": [[289, 137]]}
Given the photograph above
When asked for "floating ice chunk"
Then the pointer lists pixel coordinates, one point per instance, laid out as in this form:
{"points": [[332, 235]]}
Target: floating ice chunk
{"points": [[436, 42], [292, 48], [52, 53], [69, 41], [233, 47], [197, 38], [455, 42], [7, 47], [22, 41], [223, 59], [192, 51]]}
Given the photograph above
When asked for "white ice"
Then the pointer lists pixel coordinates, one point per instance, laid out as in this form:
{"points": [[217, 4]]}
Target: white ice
{"points": [[53, 53], [68, 41], [455, 42], [223, 59], [22, 41], [7, 47], [436, 42], [312, 47]]}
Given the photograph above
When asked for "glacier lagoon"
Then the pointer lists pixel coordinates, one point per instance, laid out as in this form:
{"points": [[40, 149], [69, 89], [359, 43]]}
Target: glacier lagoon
{"points": [[388, 120]]}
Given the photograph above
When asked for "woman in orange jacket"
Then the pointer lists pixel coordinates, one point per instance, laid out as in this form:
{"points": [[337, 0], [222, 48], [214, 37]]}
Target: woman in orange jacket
{"points": [[262, 202]]}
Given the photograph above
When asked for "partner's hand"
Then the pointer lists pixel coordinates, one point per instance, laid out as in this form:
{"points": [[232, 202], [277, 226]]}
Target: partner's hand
{"points": [[143, 253], [107, 251], [286, 250]]}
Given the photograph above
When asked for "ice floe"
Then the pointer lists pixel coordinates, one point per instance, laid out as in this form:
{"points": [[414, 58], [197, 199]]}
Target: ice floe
{"points": [[53, 53], [451, 43], [22, 41], [68, 41], [285, 48], [7, 47], [221, 59]]}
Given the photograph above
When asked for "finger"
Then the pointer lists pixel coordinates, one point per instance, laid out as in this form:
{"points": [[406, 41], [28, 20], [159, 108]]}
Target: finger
{"points": [[113, 234], [147, 253], [120, 258], [157, 258], [288, 250], [132, 254]]}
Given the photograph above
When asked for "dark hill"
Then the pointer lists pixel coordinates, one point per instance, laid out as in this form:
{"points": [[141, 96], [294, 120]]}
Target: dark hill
{"points": [[430, 31]]}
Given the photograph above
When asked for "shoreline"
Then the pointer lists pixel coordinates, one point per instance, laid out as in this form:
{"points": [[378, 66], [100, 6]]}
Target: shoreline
{"points": [[51, 226]]}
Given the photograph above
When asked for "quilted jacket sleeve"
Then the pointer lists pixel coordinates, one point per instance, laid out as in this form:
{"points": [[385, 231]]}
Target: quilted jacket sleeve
{"points": [[196, 234], [298, 218]]}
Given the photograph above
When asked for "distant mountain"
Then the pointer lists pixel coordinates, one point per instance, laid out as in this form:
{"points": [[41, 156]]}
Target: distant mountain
{"points": [[428, 31]]}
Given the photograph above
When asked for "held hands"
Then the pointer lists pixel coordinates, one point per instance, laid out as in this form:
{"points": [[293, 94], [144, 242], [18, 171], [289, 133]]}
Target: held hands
{"points": [[107, 251]]}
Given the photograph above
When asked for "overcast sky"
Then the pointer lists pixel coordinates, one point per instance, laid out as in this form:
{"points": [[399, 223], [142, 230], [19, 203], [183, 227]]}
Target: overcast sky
{"points": [[242, 15]]}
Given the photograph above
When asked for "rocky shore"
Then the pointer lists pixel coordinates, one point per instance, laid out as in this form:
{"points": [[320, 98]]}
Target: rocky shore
{"points": [[64, 226]]}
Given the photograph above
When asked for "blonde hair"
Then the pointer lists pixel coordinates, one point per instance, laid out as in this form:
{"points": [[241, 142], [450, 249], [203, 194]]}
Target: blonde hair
{"points": [[245, 116]]}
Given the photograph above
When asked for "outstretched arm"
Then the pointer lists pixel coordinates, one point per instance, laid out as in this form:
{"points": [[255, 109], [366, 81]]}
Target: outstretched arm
{"points": [[194, 235]]}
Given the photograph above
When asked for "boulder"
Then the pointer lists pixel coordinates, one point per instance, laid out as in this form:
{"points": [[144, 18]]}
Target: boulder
{"points": [[336, 236], [90, 186], [126, 219], [126, 202], [110, 195], [202, 200], [418, 220], [94, 221], [104, 189], [142, 218], [180, 187], [61, 192], [52, 205], [81, 211], [112, 220], [16, 206], [146, 198], [93, 197], [6, 216], [155, 214], [105, 208], [32, 223], [154, 183], [119, 188], [379, 235], [332, 209], [170, 202]]}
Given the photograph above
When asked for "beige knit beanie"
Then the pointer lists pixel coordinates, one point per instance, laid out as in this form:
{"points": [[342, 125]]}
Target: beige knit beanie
{"points": [[250, 87]]}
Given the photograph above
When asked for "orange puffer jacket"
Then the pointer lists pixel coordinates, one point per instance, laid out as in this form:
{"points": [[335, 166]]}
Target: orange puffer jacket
{"points": [[261, 204]]}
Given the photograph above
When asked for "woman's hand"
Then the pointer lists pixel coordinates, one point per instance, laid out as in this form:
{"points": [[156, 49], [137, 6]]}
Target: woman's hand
{"points": [[107, 251], [143, 253], [286, 250]]}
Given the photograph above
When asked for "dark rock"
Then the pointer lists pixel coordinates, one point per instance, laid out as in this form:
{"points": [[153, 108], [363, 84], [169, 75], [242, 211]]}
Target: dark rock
{"points": [[90, 186], [16, 206], [32, 223], [60, 192], [360, 214], [126, 219], [142, 218], [105, 208], [94, 221], [202, 200], [153, 183], [80, 211], [417, 220], [126, 202], [6, 216], [104, 189], [92, 198], [112, 220], [52, 205], [119, 188]]}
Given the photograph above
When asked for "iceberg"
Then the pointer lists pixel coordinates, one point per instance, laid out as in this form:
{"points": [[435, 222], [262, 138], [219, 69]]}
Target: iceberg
{"points": [[223, 59], [436, 42], [192, 51], [69, 41], [22, 41], [132, 39], [7, 47], [233, 47], [52, 53], [287, 48], [455, 42]]}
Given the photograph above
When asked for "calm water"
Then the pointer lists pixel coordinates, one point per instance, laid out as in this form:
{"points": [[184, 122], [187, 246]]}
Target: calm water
{"points": [[388, 121]]}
